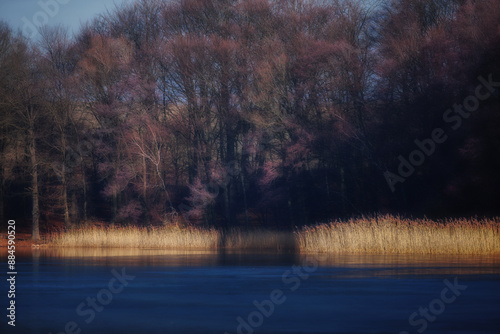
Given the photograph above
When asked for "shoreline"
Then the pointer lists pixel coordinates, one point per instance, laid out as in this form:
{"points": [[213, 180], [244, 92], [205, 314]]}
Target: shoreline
{"points": [[387, 235]]}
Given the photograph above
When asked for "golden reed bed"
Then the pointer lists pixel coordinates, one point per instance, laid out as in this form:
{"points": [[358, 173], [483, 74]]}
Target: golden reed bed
{"points": [[169, 237], [385, 235], [392, 235]]}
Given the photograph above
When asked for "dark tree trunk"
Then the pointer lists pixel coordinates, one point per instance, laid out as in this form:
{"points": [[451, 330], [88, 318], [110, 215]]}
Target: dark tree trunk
{"points": [[35, 233]]}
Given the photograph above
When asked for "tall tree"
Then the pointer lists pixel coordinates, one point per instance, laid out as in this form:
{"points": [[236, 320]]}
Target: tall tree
{"points": [[21, 96], [57, 67]]}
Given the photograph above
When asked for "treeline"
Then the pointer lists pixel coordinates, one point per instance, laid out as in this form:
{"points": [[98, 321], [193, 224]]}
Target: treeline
{"points": [[253, 112]]}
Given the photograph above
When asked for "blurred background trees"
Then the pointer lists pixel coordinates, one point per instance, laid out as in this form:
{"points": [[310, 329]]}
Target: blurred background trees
{"points": [[249, 112]]}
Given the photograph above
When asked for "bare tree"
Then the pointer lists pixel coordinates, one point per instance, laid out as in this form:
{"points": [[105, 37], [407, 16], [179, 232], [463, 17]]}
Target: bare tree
{"points": [[21, 101]]}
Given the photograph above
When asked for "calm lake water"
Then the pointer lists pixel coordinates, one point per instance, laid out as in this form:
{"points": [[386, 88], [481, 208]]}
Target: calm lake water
{"points": [[92, 291]]}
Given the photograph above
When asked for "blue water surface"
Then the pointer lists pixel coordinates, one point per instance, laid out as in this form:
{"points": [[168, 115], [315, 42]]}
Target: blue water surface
{"points": [[252, 293]]}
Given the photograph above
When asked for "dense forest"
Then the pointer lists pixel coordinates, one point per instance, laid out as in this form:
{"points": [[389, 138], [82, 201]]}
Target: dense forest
{"points": [[269, 113]]}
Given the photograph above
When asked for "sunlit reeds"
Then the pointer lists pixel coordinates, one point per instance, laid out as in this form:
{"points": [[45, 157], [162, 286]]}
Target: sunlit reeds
{"points": [[173, 237], [136, 237], [393, 235], [382, 235]]}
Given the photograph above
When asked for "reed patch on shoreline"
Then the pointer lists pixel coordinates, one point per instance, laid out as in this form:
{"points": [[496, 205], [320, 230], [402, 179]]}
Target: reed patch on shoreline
{"points": [[383, 235], [393, 235], [169, 237], [173, 237]]}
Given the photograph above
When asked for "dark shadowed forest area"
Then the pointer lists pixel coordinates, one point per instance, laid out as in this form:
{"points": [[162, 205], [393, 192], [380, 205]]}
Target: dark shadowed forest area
{"points": [[269, 113]]}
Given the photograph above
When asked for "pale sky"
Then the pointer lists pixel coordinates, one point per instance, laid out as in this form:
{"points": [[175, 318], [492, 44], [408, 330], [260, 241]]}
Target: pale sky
{"points": [[26, 15]]}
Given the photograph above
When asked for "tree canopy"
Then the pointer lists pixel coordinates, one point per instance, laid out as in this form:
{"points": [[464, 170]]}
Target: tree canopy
{"points": [[253, 112]]}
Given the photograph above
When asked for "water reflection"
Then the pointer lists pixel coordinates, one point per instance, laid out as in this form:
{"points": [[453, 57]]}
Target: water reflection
{"points": [[206, 292], [360, 265], [370, 265]]}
